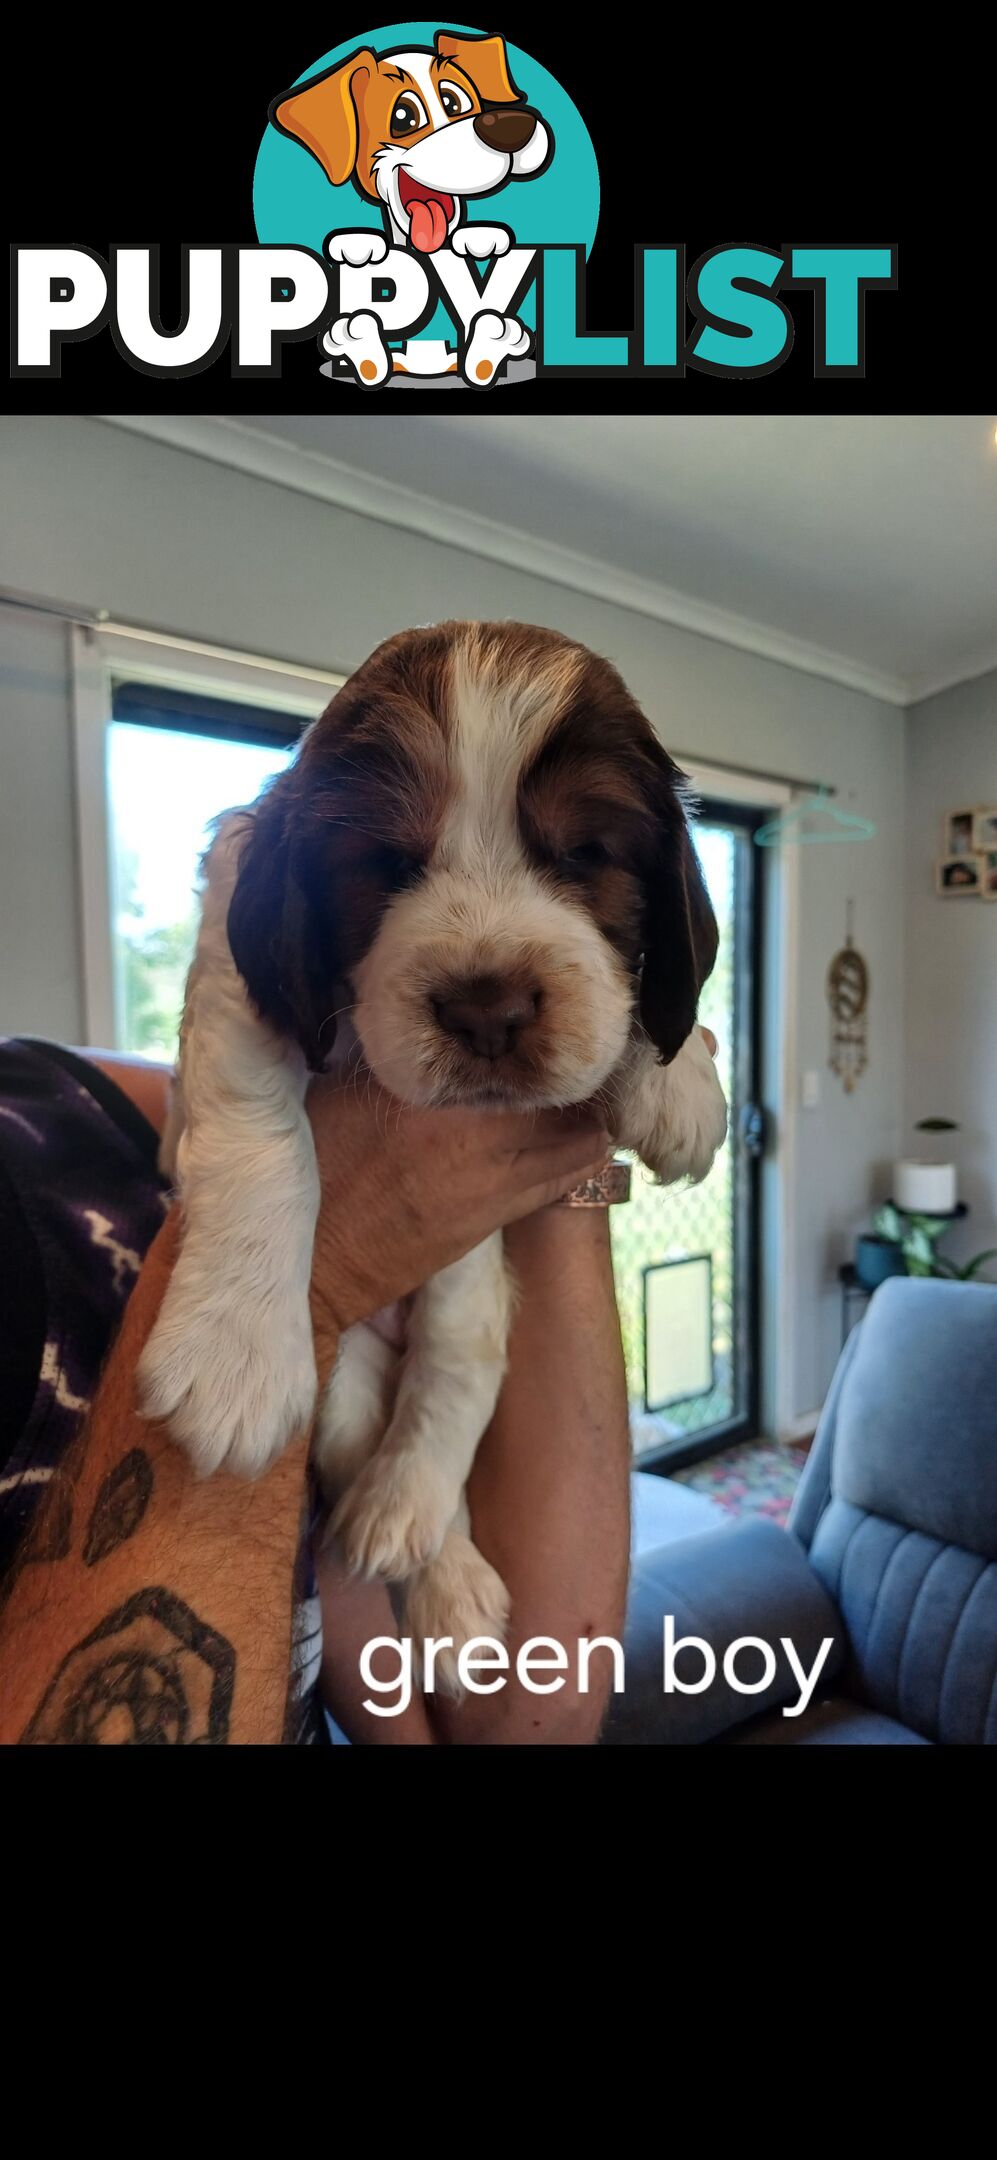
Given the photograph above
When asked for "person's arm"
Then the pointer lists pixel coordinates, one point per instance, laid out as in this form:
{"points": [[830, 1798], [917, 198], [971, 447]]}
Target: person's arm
{"points": [[151, 1607], [550, 1489], [146, 1082], [550, 1504], [549, 1497]]}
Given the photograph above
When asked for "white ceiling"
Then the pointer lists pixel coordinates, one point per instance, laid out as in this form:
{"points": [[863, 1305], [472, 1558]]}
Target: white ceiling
{"points": [[861, 547]]}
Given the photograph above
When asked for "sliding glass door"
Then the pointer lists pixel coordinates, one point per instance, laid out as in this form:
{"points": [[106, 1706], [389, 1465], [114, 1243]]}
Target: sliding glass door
{"points": [[686, 1258]]}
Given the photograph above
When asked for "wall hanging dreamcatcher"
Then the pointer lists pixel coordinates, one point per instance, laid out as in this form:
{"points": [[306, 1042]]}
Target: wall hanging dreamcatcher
{"points": [[848, 997]]}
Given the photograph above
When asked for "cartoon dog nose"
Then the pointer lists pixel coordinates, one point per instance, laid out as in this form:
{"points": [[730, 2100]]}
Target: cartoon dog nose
{"points": [[505, 130], [487, 1017]]}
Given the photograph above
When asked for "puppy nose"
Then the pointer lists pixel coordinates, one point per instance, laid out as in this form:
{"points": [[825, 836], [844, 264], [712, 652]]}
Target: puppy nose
{"points": [[487, 1017], [505, 130]]}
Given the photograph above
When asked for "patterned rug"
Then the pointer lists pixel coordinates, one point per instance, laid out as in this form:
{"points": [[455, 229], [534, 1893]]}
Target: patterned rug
{"points": [[753, 1478]]}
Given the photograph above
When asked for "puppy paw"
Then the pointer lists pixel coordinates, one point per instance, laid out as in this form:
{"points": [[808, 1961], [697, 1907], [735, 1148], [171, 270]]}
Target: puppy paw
{"points": [[673, 1116], [233, 1383], [494, 339], [458, 1595], [481, 241], [693, 1122], [394, 1516], [356, 248], [359, 340]]}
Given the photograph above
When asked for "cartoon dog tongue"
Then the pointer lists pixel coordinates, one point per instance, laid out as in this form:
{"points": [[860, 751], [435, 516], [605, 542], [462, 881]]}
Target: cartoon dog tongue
{"points": [[427, 224]]}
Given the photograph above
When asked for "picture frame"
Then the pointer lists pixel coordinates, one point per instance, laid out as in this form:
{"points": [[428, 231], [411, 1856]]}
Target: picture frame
{"points": [[989, 886], [960, 876], [957, 832], [985, 831]]}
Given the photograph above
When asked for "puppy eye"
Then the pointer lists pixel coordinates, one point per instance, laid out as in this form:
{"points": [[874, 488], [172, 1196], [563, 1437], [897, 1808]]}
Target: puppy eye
{"points": [[589, 855], [409, 115], [454, 100]]}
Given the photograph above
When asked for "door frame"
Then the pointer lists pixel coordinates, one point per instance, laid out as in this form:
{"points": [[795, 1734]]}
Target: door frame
{"points": [[713, 780], [713, 808]]}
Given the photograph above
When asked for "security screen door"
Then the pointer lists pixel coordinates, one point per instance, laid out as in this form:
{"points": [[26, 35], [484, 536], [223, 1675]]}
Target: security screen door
{"points": [[686, 1258]]}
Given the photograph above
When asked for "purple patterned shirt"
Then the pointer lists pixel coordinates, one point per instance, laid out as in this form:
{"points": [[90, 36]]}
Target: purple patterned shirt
{"points": [[81, 1199]]}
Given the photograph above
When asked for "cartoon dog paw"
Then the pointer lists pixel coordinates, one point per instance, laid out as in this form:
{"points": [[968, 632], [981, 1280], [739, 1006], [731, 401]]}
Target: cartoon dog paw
{"points": [[493, 340], [356, 248], [359, 340], [481, 241]]}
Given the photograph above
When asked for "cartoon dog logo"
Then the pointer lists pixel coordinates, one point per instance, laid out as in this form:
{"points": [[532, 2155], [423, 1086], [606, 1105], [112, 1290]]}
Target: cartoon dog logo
{"points": [[421, 133]]}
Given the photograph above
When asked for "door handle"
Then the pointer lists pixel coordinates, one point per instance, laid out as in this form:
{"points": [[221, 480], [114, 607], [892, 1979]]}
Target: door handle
{"points": [[753, 1128]]}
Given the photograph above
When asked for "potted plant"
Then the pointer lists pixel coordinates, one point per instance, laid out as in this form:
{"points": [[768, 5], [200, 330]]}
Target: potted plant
{"points": [[877, 1256], [915, 1239], [927, 1186]]}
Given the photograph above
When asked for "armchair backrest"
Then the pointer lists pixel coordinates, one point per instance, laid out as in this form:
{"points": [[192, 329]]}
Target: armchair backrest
{"points": [[898, 1506]]}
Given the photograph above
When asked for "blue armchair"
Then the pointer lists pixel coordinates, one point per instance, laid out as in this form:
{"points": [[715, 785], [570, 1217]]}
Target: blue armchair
{"points": [[891, 1554]]}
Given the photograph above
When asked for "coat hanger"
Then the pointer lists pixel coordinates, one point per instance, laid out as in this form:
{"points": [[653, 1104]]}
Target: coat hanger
{"points": [[787, 828]]}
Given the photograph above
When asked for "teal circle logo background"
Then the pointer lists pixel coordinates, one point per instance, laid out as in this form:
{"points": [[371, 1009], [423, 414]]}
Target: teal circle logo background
{"points": [[295, 205]]}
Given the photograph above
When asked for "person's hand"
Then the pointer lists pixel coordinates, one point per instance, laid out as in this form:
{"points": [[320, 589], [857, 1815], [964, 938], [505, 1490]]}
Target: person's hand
{"points": [[405, 1192]]}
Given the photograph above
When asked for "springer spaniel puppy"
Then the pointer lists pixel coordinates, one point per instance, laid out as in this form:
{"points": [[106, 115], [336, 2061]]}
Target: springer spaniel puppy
{"points": [[476, 885]]}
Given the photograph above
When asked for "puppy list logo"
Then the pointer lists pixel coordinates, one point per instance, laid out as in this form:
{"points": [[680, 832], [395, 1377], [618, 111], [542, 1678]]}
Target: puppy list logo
{"points": [[426, 201], [427, 137]]}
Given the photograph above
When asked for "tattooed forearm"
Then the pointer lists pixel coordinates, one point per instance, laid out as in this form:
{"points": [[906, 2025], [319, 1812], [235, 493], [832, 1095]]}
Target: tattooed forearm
{"points": [[151, 1675], [167, 1621], [119, 1506], [50, 1535], [48, 1538]]}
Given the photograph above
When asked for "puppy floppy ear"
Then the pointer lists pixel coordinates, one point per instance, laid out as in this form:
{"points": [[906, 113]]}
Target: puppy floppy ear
{"points": [[279, 933], [485, 63], [680, 929], [322, 114]]}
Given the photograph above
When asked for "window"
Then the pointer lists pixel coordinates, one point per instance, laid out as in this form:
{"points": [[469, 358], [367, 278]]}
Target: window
{"points": [[165, 786], [168, 735]]}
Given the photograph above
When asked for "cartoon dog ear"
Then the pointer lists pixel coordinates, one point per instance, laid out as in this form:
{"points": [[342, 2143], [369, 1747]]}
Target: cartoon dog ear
{"points": [[680, 928], [322, 114], [485, 62], [279, 933]]}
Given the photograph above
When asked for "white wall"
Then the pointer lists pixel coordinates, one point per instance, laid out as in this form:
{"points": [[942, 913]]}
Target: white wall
{"points": [[161, 538], [951, 1021], [41, 991]]}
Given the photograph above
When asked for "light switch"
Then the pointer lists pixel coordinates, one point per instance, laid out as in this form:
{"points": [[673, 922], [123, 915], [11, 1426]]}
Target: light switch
{"points": [[810, 1091]]}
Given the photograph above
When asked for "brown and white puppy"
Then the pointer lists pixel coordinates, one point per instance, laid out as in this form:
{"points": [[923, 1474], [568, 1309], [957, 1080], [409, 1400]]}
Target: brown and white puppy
{"points": [[420, 132], [477, 879]]}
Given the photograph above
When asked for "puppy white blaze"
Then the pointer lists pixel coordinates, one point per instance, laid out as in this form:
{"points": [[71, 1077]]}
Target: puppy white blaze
{"points": [[482, 910], [499, 715]]}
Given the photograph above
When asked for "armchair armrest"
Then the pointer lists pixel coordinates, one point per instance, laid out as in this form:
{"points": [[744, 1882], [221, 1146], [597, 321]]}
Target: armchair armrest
{"points": [[749, 1579]]}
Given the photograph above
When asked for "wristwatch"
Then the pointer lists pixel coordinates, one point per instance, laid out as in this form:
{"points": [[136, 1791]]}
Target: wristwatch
{"points": [[605, 1189]]}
